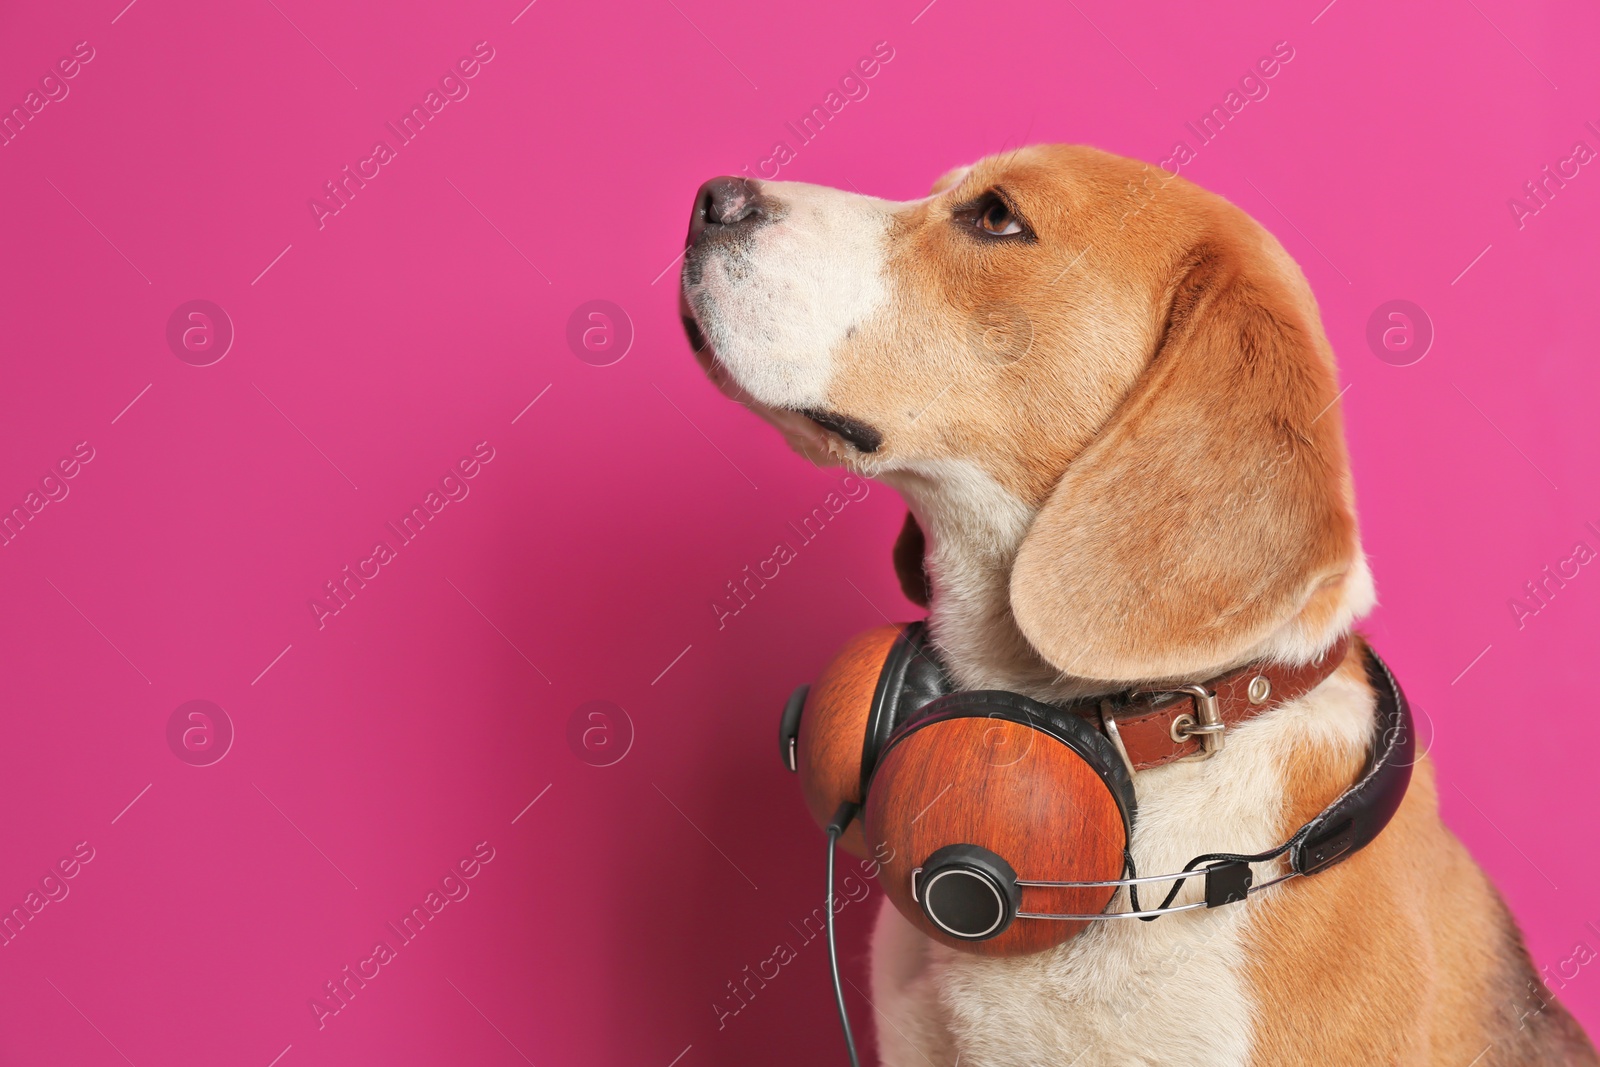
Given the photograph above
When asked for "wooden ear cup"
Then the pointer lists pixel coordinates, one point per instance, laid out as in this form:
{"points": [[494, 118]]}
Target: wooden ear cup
{"points": [[832, 727], [976, 796]]}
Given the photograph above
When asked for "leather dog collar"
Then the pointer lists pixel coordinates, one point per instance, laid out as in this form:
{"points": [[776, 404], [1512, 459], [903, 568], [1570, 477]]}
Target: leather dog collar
{"points": [[1148, 727], [1153, 727]]}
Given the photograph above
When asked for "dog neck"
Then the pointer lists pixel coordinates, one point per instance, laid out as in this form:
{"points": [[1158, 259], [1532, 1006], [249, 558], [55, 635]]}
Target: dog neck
{"points": [[973, 527]]}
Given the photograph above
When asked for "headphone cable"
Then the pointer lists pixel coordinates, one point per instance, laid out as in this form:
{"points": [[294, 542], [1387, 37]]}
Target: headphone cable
{"points": [[1208, 859], [841, 819]]}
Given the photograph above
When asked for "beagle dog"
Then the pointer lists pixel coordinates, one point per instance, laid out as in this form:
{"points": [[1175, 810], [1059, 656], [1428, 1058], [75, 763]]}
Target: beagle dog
{"points": [[1106, 396]]}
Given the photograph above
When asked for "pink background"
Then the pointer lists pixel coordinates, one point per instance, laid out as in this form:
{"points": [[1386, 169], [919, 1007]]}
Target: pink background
{"points": [[377, 351]]}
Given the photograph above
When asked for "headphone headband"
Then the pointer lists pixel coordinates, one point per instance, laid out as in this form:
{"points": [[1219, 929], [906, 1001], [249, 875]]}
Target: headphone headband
{"points": [[1025, 778], [1361, 812], [911, 678]]}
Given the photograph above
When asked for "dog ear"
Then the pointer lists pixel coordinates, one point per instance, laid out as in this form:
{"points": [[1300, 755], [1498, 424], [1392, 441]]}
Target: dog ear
{"points": [[1215, 508], [909, 548]]}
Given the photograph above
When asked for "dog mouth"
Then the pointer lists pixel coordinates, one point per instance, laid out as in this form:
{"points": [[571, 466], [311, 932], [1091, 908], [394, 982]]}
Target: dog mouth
{"points": [[714, 368], [865, 437], [808, 429]]}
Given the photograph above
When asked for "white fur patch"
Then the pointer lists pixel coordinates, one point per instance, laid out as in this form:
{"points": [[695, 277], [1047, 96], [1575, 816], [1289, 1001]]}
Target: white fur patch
{"points": [[776, 302], [973, 526]]}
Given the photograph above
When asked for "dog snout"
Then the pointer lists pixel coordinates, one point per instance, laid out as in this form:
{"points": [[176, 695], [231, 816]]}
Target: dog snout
{"points": [[724, 203]]}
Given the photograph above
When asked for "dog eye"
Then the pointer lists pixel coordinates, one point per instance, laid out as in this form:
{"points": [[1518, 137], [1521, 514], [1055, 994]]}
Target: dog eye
{"points": [[993, 217], [997, 219]]}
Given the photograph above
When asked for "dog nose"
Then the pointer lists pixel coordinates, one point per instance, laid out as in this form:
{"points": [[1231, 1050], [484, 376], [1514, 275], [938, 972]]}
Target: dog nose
{"points": [[724, 202]]}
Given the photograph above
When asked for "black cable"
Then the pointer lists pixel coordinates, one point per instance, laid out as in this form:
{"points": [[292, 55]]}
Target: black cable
{"points": [[841, 819], [1208, 858]]}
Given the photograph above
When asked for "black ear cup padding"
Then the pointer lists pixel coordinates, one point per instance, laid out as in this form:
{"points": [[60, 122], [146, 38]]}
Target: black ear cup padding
{"points": [[1076, 732], [912, 676]]}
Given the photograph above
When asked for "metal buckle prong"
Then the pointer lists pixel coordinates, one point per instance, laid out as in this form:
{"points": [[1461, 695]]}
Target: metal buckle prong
{"points": [[1210, 727]]}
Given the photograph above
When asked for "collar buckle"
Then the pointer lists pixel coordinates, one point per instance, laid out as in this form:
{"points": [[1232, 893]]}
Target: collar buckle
{"points": [[1210, 727]]}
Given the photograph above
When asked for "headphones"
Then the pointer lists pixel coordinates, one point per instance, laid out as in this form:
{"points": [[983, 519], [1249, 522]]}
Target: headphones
{"points": [[1002, 823]]}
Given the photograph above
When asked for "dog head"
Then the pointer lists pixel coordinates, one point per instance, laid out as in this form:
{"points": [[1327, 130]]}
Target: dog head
{"points": [[1110, 386]]}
